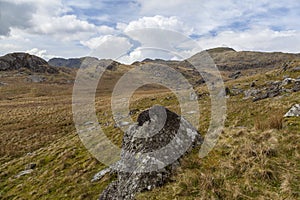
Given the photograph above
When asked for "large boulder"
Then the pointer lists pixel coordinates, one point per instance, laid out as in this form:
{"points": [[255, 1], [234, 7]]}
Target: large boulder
{"points": [[141, 167]]}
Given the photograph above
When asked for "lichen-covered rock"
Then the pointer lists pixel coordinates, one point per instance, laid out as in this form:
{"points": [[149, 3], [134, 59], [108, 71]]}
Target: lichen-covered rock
{"points": [[151, 151]]}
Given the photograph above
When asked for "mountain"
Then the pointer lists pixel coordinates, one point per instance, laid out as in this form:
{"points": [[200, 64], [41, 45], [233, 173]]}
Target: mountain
{"points": [[20, 61], [231, 60], [77, 62], [228, 59], [62, 62]]}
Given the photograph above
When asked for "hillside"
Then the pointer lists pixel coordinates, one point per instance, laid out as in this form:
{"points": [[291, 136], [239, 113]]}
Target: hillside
{"points": [[256, 157], [21, 61], [232, 60], [227, 59]]}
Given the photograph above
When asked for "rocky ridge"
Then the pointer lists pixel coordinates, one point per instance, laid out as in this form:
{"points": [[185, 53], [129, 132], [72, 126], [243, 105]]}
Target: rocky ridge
{"points": [[23, 61]]}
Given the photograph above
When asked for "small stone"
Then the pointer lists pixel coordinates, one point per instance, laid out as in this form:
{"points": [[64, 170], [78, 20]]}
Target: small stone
{"points": [[25, 172], [3, 84], [235, 75], [294, 111], [30, 166], [123, 123]]}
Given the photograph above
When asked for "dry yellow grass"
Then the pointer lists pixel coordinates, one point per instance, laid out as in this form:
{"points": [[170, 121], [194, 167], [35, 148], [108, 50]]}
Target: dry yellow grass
{"points": [[250, 161]]}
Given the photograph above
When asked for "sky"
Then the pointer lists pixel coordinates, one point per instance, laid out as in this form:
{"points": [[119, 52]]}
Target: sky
{"points": [[73, 28]]}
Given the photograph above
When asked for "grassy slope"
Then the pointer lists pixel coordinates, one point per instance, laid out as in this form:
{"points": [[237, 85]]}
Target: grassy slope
{"points": [[250, 161]]}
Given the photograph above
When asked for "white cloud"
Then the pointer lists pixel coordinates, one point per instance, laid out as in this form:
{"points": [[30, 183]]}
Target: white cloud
{"points": [[37, 52], [255, 39], [67, 27], [141, 53], [205, 16], [40, 53], [108, 46], [159, 22]]}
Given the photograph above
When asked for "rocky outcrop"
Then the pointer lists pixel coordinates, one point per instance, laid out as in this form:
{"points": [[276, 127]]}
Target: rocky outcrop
{"points": [[273, 89], [141, 167], [35, 79], [19, 61]]}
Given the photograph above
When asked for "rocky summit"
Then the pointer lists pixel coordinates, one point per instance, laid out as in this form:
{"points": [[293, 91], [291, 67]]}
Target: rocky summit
{"points": [[21, 61], [151, 151]]}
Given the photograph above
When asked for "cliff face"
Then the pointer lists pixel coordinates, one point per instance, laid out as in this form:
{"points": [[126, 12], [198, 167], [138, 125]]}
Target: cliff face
{"points": [[18, 61]]}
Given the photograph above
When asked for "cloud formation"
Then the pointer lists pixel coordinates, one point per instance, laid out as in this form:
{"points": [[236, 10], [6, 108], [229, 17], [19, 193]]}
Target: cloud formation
{"points": [[73, 28], [14, 16]]}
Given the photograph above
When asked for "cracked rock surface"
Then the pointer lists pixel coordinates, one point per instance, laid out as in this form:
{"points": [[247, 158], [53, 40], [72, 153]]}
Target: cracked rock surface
{"points": [[151, 151]]}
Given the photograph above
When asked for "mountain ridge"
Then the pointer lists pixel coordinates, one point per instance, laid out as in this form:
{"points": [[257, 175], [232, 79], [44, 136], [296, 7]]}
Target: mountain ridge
{"points": [[225, 58]]}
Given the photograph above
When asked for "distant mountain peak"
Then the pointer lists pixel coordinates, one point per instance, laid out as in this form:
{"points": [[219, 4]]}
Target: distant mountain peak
{"points": [[220, 50], [77, 62]]}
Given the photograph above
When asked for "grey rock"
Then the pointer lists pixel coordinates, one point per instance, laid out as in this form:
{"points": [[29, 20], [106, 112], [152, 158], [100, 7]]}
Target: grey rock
{"points": [[236, 91], [19, 61], [251, 93], [268, 93], [235, 75], [287, 81], [30, 166], [294, 111], [25, 172], [3, 84], [140, 168], [101, 174], [36, 79], [124, 123], [193, 96]]}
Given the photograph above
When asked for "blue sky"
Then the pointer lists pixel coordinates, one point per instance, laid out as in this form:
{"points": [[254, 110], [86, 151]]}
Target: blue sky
{"points": [[72, 28]]}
